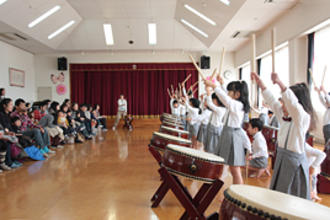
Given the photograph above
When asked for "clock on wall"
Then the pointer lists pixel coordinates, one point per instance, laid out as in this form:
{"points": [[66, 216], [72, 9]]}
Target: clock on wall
{"points": [[228, 74]]}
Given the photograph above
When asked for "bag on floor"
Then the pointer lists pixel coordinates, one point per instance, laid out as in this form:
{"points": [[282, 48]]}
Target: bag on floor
{"points": [[34, 153]]}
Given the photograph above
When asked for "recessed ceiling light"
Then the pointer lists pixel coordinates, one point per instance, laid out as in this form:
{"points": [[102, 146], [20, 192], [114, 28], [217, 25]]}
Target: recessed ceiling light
{"points": [[2, 1], [195, 28], [200, 14], [226, 2], [44, 16], [63, 28], [108, 34], [152, 29]]}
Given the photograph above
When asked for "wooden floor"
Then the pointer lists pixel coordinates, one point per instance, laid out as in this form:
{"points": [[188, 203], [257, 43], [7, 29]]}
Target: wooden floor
{"points": [[107, 179]]}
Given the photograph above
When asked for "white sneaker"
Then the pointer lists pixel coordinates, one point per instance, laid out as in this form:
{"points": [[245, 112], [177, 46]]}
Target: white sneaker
{"points": [[5, 167], [113, 128], [1, 171]]}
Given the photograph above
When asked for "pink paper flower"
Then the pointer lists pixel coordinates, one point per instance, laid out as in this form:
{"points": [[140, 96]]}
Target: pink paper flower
{"points": [[61, 89]]}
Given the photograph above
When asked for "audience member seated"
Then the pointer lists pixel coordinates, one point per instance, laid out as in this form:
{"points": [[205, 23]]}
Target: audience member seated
{"points": [[100, 118], [28, 128], [44, 124]]}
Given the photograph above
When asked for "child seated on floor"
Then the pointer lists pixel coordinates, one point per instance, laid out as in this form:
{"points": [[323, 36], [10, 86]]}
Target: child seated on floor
{"points": [[259, 157], [315, 158]]}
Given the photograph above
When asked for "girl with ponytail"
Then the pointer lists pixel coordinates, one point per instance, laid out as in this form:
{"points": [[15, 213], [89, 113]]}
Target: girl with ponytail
{"points": [[233, 139]]}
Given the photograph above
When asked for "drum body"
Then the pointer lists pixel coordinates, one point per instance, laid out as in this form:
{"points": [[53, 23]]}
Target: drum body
{"points": [[270, 134], [174, 132], [192, 163], [173, 125], [161, 140], [244, 202], [169, 117]]}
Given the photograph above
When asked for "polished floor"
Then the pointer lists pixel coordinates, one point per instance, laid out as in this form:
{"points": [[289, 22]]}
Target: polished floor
{"points": [[112, 177]]}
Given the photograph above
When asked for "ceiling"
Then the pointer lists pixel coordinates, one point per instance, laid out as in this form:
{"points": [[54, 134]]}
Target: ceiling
{"points": [[129, 19]]}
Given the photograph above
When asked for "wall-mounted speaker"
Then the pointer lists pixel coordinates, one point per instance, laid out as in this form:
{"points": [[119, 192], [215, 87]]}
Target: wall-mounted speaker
{"points": [[62, 63], [205, 62]]}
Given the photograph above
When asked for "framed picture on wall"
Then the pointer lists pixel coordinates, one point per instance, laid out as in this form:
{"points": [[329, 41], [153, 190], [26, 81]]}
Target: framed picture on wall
{"points": [[16, 77]]}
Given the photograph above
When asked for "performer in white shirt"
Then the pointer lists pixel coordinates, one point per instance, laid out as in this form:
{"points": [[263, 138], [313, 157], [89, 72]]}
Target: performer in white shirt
{"points": [[325, 100], [296, 118], [315, 158], [231, 142], [122, 110], [259, 157]]}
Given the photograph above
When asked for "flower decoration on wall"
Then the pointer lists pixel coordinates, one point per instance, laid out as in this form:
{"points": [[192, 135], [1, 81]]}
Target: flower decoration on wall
{"points": [[59, 78], [61, 89]]}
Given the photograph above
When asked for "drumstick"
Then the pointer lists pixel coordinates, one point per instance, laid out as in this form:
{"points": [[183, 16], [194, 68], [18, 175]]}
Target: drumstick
{"points": [[194, 84], [313, 80], [194, 91], [253, 60], [273, 49], [198, 69], [214, 73], [186, 79], [221, 61], [324, 73], [168, 91], [172, 89]]}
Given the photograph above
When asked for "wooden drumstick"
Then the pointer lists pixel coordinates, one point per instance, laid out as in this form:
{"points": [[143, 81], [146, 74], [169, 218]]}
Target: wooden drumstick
{"points": [[222, 59], [323, 77], [192, 87], [168, 91], [214, 73], [198, 69], [253, 59], [186, 79], [273, 48], [313, 80], [194, 91]]}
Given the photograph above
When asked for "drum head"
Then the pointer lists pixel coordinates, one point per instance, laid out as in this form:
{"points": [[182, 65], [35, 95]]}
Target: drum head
{"points": [[174, 130], [195, 153], [277, 203], [173, 138]]}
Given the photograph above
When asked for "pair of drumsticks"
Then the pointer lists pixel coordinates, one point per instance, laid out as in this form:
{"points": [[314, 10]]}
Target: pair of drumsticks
{"points": [[178, 91]]}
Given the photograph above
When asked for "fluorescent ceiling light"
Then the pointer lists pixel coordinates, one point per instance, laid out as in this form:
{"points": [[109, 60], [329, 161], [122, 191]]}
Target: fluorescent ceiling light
{"points": [[63, 28], [200, 14], [152, 29], [44, 16], [194, 28], [2, 1], [108, 34], [226, 2]]}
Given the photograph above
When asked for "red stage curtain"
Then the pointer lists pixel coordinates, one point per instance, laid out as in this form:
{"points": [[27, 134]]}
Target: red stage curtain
{"points": [[144, 85]]}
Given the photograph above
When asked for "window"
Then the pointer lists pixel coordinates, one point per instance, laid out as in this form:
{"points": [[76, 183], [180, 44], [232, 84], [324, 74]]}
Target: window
{"points": [[321, 56], [321, 59]]}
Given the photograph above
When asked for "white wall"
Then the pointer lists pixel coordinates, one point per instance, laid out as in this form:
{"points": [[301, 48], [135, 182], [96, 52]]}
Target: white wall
{"points": [[47, 64], [12, 57]]}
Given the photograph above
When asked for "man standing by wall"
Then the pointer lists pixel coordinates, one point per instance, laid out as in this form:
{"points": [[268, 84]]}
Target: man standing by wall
{"points": [[122, 110]]}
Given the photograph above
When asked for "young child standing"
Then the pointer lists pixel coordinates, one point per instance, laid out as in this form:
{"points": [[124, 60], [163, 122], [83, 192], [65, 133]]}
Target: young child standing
{"points": [[194, 113], [231, 142], [204, 121], [296, 118], [259, 157], [215, 126]]}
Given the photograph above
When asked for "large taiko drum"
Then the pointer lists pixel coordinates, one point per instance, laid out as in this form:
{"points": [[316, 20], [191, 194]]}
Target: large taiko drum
{"points": [[192, 163], [169, 117], [161, 140], [244, 202], [174, 131], [173, 125]]}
